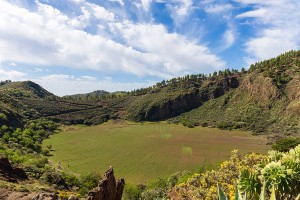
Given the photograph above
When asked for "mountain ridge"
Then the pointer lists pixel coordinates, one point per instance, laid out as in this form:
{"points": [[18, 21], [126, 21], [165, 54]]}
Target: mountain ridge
{"points": [[266, 98]]}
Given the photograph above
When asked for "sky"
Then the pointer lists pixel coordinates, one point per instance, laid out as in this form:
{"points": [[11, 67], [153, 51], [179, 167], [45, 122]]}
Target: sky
{"points": [[78, 46]]}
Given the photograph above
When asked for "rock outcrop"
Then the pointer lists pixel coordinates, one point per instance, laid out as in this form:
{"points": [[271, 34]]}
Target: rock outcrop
{"points": [[10, 174], [12, 195], [108, 188]]}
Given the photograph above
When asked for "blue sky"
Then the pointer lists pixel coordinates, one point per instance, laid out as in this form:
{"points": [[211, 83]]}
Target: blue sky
{"points": [[78, 46]]}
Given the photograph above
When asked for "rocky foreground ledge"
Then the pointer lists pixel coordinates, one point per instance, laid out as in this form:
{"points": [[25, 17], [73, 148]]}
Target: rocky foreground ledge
{"points": [[108, 188]]}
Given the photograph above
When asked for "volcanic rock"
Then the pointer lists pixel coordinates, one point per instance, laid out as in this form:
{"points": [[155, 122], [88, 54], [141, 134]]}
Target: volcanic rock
{"points": [[108, 188]]}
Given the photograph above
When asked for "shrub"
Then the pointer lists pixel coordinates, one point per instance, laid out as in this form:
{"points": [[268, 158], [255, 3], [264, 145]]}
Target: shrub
{"points": [[204, 124], [188, 123], [276, 175], [88, 182], [225, 125], [132, 192], [156, 189], [204, 185], [285, 144]]}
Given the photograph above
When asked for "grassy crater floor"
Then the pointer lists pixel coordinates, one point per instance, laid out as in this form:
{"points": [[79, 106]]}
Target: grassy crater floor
{"points": [[142, 152]]}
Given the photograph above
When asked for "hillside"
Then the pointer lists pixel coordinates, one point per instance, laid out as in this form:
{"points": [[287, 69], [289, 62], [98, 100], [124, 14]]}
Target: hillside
{"points": [[264, 99], [21, 101], [267, 99], [90, 95]]}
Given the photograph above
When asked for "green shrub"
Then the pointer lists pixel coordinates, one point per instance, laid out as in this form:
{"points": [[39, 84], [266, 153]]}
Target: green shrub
{"points": [[156, 189], [275, 176], [285, 144], [188, 123], [132, 192], [88, 182], [70, 180], [225, 125], [204, 124]]}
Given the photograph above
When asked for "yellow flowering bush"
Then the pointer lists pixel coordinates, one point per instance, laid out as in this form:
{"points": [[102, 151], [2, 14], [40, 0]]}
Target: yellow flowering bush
{"points": [[275, 176], [204, 186]]}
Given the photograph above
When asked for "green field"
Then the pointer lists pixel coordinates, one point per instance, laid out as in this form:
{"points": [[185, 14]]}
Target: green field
{"points": [[142, 152]]}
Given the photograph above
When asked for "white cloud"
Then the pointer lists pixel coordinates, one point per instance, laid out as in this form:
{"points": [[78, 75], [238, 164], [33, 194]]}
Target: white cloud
{"points": [[278, 27], [101, 13], [259, 13], [50, 38], [88, 78], [63, 84], [218, 8], [174, 54], [78, 1], [184, 8], [121, 2], [146, 4], [180, 10], [228, 38], [11, 75], [262, 2]]}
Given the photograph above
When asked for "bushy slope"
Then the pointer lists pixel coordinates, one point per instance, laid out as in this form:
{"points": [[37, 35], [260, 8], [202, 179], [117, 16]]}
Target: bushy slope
{"points": [[264, 99], [267, 100], [163, 102], [276, 173], [22, 101], [91, 95]]}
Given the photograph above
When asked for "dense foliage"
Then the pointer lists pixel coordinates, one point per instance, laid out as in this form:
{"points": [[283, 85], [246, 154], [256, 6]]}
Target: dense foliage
{"points": [[204, 185], [254, 174], [285, 144], [22, 146], [280, 69], [29, 138]]}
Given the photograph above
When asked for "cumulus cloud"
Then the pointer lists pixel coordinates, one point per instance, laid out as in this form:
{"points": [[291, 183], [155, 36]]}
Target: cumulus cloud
{"points": [[100, 12], [64, 84], [175, 53], [11, 75], [278, 27], [48, 37]]}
